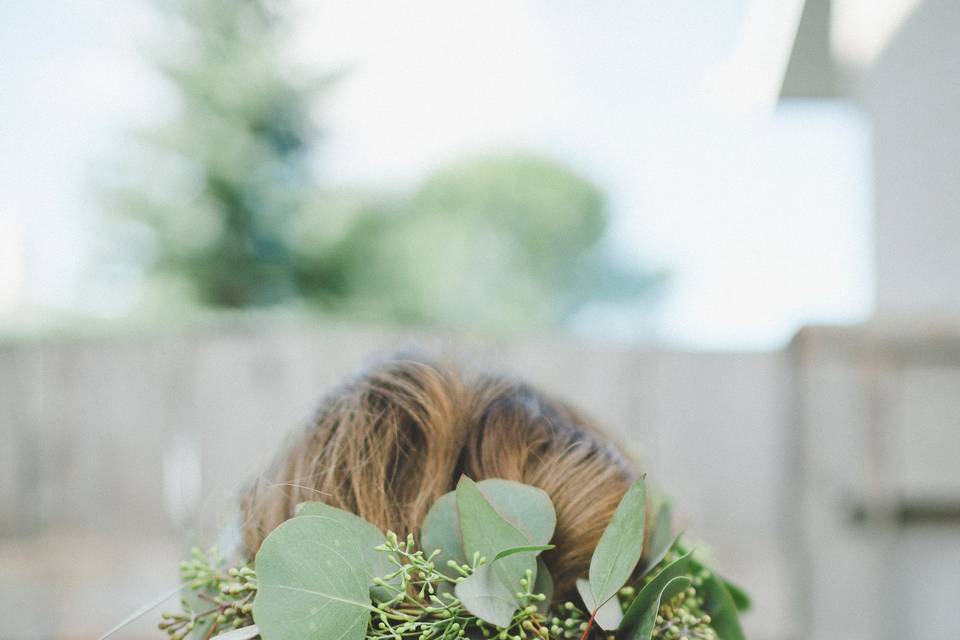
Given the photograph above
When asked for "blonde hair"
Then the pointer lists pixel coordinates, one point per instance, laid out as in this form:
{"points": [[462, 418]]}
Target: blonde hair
{"points": [[391, 442]]}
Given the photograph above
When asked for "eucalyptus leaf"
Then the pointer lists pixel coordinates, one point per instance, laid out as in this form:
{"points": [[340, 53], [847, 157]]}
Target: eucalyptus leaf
{"points": [[486, 532], [487, 597], [441, 531], [619, 549], [608, 615], [312, 582], [366, 537], [527, 508], [543, 585], [661, 537], [740, 597], [243, 633], [202, 628], [536, 549], [644, 628], [649, 593], [651, 563], [718, 602]]}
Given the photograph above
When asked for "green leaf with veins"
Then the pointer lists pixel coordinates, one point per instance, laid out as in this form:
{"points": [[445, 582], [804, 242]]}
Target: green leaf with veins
{"points": [[527, 508], [486, 532], [536, 549], [649, 594], [718, 602], [644, 628], [367, 539], [313, 582], [609, 613], [619, 549], [740, 597], [441, 531], [487, 597], [661, 537], [543, 585]]}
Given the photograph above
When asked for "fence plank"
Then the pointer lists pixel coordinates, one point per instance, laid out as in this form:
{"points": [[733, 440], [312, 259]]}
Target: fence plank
{"points": [[151, 438]]}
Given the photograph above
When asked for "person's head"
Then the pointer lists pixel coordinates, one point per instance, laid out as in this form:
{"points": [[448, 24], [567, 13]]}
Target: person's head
{"points": [[387, 445]]}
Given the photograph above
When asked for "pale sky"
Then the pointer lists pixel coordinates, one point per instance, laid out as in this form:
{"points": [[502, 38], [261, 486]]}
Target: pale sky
{"points": [[761, 214]]}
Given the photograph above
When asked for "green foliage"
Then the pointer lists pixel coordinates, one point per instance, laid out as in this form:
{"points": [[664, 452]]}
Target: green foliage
{"points": [[366, 538], [719, 604], [647, 623], [651, 591], [219, 598], [485, 595], [543, 585], [486, 535], [620, 546], [441, 531], [661, 538], [741, 599], [608, 614], [527, 508], [510, 241], [226, 193], [314, 575], [313, 582], [219, 184]]}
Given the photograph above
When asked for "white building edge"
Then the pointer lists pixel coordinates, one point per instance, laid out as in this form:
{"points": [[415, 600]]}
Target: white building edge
{"points": [[877, 437]]}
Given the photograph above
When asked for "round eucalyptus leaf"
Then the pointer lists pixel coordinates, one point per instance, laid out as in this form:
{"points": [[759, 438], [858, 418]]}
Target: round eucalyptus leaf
{"points": [[544, 585], [486, 532], [441, 531], [243, 633], [313, 585], [527, 508], [487, 597], [367, 538]]}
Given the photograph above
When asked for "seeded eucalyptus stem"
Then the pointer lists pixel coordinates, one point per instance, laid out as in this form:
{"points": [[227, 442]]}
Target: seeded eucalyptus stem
{"points": [[229, 591], [424, 605]]}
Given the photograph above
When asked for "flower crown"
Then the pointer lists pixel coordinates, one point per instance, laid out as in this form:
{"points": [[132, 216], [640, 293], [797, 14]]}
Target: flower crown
{"points": [[327, 574]]}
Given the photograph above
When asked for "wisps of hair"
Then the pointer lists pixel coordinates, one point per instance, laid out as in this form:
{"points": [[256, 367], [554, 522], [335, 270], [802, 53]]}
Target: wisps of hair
{"points": [[389, 443]]}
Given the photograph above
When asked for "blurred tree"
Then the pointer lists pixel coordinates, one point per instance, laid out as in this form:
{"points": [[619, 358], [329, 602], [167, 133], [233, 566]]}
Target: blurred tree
{"points": [[510, 241], [223, 178], [227, 195]]}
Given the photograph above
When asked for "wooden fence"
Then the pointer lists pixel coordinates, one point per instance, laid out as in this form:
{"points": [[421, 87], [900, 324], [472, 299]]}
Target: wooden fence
{"points": [[117, 453]]}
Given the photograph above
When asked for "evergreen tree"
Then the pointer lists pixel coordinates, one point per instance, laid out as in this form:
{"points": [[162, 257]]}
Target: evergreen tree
{"points": [[499, 242], [229, 171]]}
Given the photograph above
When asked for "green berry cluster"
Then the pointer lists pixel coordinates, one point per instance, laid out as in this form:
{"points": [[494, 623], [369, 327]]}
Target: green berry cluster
{"points": [[683, 617], [419, 603], [224, 597], [568, 621], [423, 604]]}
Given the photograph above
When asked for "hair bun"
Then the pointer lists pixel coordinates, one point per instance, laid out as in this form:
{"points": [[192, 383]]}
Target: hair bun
{"points": [[387, 445]]}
